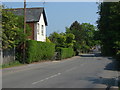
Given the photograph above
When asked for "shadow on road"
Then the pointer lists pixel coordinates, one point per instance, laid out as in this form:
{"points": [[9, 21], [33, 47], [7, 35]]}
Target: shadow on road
{"points": [[113, 66], [109, 82]]}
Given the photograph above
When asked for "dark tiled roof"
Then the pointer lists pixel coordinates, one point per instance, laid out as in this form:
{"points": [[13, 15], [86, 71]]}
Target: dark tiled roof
{"points": [[32, 14]]}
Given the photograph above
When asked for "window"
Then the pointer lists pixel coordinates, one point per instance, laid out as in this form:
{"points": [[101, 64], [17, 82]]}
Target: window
{"points": [[42, 29]]}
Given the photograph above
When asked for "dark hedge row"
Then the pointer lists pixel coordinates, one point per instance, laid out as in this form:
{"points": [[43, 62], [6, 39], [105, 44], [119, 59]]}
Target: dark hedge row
{"points": [[65, 52], [36, 51]]}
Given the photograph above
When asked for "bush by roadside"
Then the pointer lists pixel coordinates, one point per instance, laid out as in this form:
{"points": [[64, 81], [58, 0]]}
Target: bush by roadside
{"points": [[65, 52], [36, 51]]}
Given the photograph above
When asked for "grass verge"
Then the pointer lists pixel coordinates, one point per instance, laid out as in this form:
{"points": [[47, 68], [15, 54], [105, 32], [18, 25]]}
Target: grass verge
{"points": [[11, 64]]}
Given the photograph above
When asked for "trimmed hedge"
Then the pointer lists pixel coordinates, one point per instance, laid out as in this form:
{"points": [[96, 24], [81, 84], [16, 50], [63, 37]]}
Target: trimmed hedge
{"points": [[36, 51], [64, 52]]}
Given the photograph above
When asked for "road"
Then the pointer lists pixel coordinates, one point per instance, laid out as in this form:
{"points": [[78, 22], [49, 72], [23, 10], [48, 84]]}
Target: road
{"points": [[85, 71]]}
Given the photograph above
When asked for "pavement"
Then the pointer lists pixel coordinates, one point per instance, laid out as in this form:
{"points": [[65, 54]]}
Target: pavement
{"points": [[83, 71]]}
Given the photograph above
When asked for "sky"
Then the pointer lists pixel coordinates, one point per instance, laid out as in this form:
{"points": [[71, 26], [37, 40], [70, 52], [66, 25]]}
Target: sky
{"points": [[63, 14]]}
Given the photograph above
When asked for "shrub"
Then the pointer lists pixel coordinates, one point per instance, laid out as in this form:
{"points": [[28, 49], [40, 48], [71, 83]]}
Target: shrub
{"points": [[36, 51], [118, 55], [65, 52]]}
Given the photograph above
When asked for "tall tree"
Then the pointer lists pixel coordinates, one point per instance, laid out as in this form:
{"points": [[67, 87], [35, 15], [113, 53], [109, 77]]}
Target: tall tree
{"points": [[75, 28], [88, 34], [84, 34], [109, 26]]}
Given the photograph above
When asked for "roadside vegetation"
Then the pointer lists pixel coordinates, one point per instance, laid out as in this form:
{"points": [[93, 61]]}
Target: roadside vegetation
{"points": [[78, 38], [37, 51], [64, 53], [109, 30], [13, 34], [11, 64], [13, 30]]}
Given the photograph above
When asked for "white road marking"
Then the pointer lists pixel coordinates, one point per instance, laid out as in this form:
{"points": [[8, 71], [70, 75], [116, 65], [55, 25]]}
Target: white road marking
{"points": [[71, 69], [46, 78]]}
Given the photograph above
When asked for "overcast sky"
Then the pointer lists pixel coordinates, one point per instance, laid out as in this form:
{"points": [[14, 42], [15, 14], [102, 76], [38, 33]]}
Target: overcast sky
{"points": [[63, 14]]}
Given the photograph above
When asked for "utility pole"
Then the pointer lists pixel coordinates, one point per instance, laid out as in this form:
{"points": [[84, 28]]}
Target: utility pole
{"points": [[24, 16], [24, 45]]}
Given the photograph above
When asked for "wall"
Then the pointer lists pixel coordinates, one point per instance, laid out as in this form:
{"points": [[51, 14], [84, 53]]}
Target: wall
{"points": [[38, 30], [8, 56], [32, 31]]}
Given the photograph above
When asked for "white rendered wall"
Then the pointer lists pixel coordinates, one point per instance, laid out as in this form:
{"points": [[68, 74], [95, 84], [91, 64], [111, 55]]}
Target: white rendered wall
{"points": [[38, 32]]}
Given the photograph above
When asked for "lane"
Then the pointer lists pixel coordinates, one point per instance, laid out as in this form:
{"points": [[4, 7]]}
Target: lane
{"points": [[24, 78], [77, 72], [80, 77]]}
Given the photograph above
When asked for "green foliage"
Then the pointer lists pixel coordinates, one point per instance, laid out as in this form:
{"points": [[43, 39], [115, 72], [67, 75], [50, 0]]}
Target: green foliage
{"points": [[118, 55], [84, 36], [70, 40], [75, 29], [47, 39], [78, 36], [53, 37], [88, 34], [109, 26], [36, 51], [12, 30], [117, 47], [62, 39], [11, 64], [65, 52]]}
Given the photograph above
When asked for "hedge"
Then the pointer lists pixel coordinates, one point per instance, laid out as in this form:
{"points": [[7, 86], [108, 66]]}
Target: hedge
{"points": [[64, 52], [36, 51]]}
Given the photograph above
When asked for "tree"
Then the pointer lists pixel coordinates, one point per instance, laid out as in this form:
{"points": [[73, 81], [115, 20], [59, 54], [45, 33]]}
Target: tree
{"points": [[109, 26], [70, 40], [62, 39], [80, 37], [88, 34], [12, 27], [47, 39], [53, 37], [75, 29], [84, 36]]}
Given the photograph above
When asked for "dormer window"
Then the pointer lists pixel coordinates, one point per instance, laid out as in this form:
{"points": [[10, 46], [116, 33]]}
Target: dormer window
{"points": [[42, 29]]}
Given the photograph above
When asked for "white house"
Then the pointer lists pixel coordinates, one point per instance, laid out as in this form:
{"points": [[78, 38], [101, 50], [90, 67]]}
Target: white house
{"points": [[37, 20]]}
